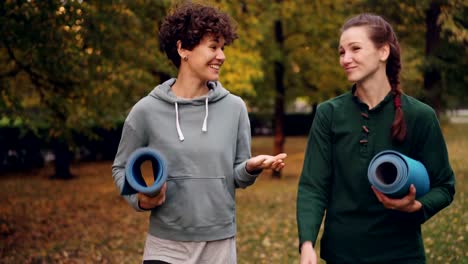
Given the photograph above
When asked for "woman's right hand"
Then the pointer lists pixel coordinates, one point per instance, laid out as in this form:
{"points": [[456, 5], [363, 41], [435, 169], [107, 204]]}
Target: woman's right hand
{"points": [[407, 204], [147, 202], [261, 162], [308, 255]]}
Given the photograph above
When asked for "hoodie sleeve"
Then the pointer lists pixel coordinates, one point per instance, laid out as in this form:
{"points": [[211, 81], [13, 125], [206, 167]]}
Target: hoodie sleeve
{"points": [[129, 142], [241, 177]]}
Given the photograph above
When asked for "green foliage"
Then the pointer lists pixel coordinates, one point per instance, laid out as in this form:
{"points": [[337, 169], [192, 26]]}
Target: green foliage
{"points": [[74, 65], [450, 59], [308, 52], [453, 21]]}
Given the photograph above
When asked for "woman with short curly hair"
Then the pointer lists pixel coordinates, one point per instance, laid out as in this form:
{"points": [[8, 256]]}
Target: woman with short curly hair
{"points": [[189, 24], [193, 218]]}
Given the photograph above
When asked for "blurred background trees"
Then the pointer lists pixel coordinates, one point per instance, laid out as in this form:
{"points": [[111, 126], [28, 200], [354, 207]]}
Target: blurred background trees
{"points": [[71, 68]]}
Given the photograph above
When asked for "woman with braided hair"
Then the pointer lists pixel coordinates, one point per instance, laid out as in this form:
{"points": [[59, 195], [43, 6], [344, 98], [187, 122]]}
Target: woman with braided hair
{"points": [[362, 225]]}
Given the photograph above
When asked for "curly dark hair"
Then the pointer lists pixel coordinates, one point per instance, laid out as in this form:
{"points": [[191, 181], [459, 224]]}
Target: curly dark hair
{"points": [[189, 23]]}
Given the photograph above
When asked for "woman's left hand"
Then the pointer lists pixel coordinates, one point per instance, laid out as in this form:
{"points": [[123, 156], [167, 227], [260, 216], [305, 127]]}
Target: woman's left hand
{"points": [[407, 204], [266, 162]]}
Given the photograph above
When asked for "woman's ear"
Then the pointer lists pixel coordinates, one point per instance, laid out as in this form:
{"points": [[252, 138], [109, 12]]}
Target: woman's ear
{"points": [[384, 52]]}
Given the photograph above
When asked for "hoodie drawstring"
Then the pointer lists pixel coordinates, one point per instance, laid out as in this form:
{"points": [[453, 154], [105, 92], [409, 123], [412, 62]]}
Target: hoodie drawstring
{"points": [[205, 120], [179, 131], [204, 128]]}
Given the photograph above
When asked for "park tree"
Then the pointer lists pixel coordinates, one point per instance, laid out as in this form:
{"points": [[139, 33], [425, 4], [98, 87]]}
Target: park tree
{"points": [[298, 50], [446, 62], [67, 67], [297, 54], [434, 40], [70, 66]]}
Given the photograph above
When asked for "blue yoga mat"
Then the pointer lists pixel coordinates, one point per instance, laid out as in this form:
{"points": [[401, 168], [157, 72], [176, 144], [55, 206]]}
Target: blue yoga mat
{"points": [[134, 181], [392, 173]]}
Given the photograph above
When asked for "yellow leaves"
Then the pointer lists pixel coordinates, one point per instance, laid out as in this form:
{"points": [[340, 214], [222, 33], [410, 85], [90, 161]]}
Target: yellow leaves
{"points": [[61, 11], [85, 220], [67, 224], [429, 241], [6, 99], [240, 70], [266, 222], [76, 28], [54, 133], [451, 24], [266, 242], [78, 38], [295, 67]]}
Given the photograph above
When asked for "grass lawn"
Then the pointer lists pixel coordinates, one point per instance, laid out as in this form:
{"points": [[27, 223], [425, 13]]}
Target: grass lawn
{"points": [[85, 221]]}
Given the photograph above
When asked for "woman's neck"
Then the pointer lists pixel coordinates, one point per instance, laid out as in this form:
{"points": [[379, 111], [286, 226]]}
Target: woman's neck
{"points": [[185, 87], [373, 91]]}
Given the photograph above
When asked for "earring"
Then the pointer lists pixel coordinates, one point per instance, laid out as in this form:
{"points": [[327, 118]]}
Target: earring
{"points": [[185, 58]]}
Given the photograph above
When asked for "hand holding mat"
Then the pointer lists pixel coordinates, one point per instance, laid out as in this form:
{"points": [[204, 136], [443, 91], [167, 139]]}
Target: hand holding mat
{"points": [[134, 181], [392, 173]]}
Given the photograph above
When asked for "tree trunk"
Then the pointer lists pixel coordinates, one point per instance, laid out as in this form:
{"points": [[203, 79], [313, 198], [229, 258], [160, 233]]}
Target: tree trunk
{"points": [[63, 157], [432, 75], [279, 98]]}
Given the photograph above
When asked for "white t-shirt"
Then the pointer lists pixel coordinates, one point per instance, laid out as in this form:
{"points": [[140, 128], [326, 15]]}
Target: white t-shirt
{"points": [[178, 252]]}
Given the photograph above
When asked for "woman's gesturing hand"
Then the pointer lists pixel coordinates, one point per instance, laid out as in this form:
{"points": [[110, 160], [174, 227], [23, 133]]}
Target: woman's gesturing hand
{"points": [[266, 162]]}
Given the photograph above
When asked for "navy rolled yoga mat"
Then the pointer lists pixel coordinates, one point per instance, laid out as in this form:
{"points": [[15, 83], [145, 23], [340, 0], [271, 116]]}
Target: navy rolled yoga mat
{"points": [[134, 181], [392, 173]]}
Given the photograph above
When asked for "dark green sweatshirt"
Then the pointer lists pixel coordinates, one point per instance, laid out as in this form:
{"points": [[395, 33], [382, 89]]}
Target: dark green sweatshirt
{"points": [[344, 137]]}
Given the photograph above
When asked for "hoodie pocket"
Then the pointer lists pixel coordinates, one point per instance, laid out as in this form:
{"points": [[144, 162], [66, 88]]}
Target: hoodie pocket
{"points": [[197, 202]]}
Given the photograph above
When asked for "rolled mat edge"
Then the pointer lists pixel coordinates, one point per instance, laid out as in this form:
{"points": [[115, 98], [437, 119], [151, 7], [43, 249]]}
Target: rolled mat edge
{"points": [[408, 171], [134, 181]]}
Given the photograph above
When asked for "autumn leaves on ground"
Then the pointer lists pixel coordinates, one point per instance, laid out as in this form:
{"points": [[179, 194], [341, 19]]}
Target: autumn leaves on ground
{"points": [[85, 221]]}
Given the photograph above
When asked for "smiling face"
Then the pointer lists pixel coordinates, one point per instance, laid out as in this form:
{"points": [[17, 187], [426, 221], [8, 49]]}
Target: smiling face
{"points": [[205, 60], [359, 56]]}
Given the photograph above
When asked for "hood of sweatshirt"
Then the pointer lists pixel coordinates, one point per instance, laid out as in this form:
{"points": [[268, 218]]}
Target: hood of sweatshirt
{"points": [[164, 92]]}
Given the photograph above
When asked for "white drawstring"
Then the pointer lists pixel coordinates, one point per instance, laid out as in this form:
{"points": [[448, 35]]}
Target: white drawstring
{"points": [[179, 131], [205, 121], [204, 128]]}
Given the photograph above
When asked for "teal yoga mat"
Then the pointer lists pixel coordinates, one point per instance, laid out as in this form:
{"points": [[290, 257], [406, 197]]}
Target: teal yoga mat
{"points": [[134, 181], [392, 173]]}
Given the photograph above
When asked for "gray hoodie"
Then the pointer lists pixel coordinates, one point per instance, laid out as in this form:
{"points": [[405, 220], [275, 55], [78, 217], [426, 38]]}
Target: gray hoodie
{"points": [[206, 143]]}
